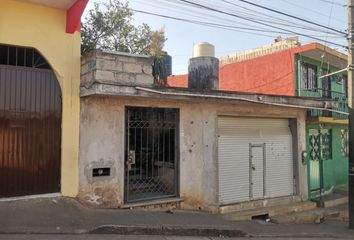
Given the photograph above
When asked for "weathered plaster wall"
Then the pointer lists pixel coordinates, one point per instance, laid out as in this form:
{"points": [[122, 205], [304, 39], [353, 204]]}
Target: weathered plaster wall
{"points": [[298, 130], [102, 142], [30, 25]]}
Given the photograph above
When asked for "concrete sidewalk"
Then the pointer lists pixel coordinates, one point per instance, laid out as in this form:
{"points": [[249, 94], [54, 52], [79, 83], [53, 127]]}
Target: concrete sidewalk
{"points": [[66, 216]]}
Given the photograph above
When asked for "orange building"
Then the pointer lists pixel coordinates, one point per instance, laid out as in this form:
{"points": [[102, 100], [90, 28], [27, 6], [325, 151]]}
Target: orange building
{"points": [[269, 74]]}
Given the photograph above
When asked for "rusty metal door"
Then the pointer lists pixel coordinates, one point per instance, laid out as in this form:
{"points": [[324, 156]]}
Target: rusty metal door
{"points": [[152, 153], [30, 131]]}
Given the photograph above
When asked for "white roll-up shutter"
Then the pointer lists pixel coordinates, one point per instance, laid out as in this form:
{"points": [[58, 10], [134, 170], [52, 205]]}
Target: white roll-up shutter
{"points": [[235, 134]]}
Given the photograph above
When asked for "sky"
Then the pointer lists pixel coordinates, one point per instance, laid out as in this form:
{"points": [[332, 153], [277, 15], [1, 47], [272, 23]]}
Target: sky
{"points": [[182, 35]]}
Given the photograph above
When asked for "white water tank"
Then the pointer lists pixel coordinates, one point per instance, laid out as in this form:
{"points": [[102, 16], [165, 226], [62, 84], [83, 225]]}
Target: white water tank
{"points": [[204, 49]]}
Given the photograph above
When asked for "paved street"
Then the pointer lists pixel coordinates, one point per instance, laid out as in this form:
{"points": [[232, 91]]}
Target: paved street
{"points": [[121, 237], [61, 218]]}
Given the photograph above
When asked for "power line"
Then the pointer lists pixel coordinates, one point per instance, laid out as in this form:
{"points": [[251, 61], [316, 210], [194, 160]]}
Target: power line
{"points": [[185, 11], [288, 15], [196, 14], [337, 4], [287, 22], [255, 31], [279, 21], [248, 14], [312, 10], [281, 78], [261, 23], [204, 15], [215, 25], [329, 22], [209, 24]]}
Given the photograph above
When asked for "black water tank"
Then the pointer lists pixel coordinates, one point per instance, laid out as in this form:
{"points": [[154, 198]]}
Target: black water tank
{"points": [[167, 59]]}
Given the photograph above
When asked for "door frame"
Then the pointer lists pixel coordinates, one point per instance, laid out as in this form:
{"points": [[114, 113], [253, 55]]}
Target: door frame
{"points": [[176, 153]]}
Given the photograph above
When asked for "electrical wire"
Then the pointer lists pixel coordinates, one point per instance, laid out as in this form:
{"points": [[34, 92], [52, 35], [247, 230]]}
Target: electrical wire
{"points": [[329, 22], [284, 21], [270, 19], [312, 10], [204, 15], [259, 22], [209, 24], [278, 21], [255, 31], [198, 15], [288, 15], [215, 25], [337, 4]]}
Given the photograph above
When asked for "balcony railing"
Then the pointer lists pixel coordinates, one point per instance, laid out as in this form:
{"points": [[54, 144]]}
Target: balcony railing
{"points": [[341, 98]]}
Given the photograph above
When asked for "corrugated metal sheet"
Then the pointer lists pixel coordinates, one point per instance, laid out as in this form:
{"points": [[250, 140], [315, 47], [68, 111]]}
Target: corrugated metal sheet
{"points": [[30, 131], [234, 138]]}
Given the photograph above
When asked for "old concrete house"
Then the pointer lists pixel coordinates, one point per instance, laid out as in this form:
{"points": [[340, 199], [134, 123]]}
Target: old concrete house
{"points": [[200, 148]]}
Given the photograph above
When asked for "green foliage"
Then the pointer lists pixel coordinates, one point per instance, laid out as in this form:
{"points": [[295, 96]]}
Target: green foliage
{"points": [[109, 26], [158, 40]]}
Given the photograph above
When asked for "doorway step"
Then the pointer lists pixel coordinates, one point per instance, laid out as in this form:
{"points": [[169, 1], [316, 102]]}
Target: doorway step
{"points": [[342, 189], [318, 215], [266, 209], [331, 200], [330, 207], [166, 203]]}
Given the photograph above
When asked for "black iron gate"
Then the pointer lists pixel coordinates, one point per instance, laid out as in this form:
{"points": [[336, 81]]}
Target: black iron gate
{"points": [[152, 153]]}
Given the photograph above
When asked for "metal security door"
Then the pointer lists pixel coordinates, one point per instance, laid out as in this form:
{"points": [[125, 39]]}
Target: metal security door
{"points": [[151, 169], [320, 143], [30, 131], [257, 175], [234, 137], [315, 162]]}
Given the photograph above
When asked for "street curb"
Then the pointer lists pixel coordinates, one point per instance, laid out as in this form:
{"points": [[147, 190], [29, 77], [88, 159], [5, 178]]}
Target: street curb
{"points": [[300, 236], [168, 231]]}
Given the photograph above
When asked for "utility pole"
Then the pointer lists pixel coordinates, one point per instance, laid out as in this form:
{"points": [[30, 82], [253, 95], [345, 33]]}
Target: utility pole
{"points": [[351, 110]]}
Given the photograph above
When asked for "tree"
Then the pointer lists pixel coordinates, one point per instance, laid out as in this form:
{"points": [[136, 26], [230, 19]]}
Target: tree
{"points": [[109, 26], [157, 44], [156, 49]]}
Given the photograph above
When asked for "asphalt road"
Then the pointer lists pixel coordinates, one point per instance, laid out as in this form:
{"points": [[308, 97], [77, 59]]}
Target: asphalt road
{"points": [[120, 237]]}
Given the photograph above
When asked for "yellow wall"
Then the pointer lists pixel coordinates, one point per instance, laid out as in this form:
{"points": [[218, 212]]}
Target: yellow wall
{"points": [[43, 28]]}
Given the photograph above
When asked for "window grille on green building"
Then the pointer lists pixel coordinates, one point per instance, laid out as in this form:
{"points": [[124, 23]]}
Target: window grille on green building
{"points": [[326, 144], [344, 142], [321, 145]]}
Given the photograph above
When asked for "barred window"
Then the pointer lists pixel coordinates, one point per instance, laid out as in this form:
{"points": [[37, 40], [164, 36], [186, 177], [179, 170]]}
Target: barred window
{"points": [[314, 141], [344, 142], [309, 76], [22, 57], [326, 144]]}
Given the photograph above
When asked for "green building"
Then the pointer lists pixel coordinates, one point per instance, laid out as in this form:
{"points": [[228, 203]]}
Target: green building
{"points": [[327, 132]]}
